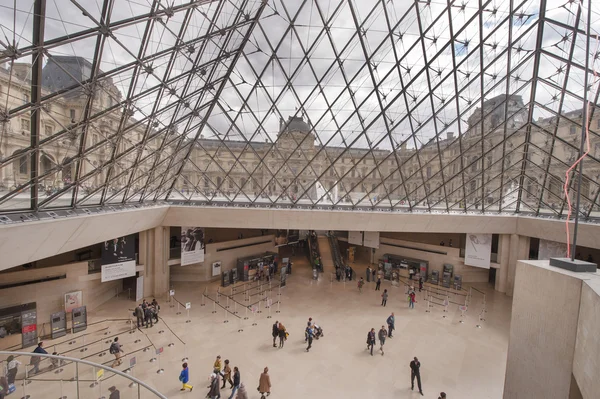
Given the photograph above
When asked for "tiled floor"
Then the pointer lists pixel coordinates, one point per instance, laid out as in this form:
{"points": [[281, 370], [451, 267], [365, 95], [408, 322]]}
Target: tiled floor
{"points": [[460, 359]]}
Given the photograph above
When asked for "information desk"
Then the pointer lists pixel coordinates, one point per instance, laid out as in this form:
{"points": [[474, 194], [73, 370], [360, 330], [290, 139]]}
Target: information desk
{"points": [[416, 267], [247, 267]]}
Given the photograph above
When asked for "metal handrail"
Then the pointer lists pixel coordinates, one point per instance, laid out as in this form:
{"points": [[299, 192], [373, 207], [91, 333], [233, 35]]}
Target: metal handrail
{"points": [[86, 362]]}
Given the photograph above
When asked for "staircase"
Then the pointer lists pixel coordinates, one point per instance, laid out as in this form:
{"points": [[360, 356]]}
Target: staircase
{"points": [[326, 255]]}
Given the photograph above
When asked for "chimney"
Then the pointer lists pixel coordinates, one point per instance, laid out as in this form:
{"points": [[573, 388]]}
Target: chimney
{"points": [[21, 71], [449, 135]]}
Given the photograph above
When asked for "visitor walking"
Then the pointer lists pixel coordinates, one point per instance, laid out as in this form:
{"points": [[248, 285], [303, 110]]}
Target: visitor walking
{"points": [[236, 382], [420, 284], [309, 336], [415, 372], [264, 384], [371, 340], [384, 298], [308, 324], [275, 333], [391, 320], [114, 393], [361, 282], [115, 349], [368, 274], [214, 392], [382, 336], [35, 360], [12, 368], [282, 335], [241, 393], [378, 284], [184, 378], [411, 300], [227, 375], [139, 315], [218, 365], [374, 273]]}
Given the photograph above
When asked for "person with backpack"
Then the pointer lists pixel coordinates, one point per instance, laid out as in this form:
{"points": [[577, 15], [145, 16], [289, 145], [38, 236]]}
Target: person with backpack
{"points": [[360, 284], [309, 336], [35, 360], [371, 340], [382, 336], [391, 320], [384, 298], [184, 378], [115, 349]]}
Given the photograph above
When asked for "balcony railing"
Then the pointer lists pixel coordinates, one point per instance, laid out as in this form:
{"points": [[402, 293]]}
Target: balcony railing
{"points": [[48, 376]]}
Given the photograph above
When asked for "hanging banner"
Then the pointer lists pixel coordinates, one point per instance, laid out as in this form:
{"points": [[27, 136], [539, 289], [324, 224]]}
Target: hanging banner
{"points": [[192, 245], [73, 300], [552, 249], [118, 258], [139, 288], [478, 250], [355, 237], [371, 239]]}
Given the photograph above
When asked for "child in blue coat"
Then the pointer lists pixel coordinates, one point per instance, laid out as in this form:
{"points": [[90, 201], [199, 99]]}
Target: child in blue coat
{"points": [[184, 377]]}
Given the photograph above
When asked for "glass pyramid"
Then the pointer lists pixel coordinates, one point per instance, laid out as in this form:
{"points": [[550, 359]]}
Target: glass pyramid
{"points": [[416, 106]]}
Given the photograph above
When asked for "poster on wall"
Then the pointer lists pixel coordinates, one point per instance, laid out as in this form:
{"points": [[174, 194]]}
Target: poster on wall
{"points": [[192, 245], [139, 288], [118, 258], [371, 239], [73, 300], [478, 250], [216, 268], [552, 249], [355, 237]]}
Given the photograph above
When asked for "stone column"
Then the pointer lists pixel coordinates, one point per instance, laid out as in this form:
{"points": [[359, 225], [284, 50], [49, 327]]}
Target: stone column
{"points": [[161, 257], [503, 258], [519, 250]]}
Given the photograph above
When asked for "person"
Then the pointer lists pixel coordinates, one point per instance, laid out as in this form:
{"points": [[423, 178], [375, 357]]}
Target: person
{"points": [[374, 273], [420, 284], [391, 320], [411, 299], [360, 284], [139, 315], [338, 274], [236, 382], [318, 331], [154, 311], [218, 365], [382, 336], [282, 335], [155, 304], [411, 273], [3, 387], [378, 284], [227, 375], [12, 368], [214, 392], [384, 298], [442, 395], [275, 333], [35, 360], [450, 243], [264, 383], [114, 393], [309, 336], [184, 377], [368, 274], [242, 393], [148, 316], [308, 324], [371, 340], [115, 349], [415, 372], [442, 243]]}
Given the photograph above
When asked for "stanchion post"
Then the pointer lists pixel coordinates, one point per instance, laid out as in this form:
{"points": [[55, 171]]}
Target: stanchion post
{"points": [[226, 319], [158, 353], [178, 311], [203, 296], [188, 306]]}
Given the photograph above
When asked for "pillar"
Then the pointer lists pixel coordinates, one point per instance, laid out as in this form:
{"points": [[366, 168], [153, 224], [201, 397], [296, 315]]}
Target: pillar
{"points": [[154, 253], [503, 258], [519, 250]]}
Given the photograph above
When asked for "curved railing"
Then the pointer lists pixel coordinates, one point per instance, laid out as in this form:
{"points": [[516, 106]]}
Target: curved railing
{"points": [[67, 377]]}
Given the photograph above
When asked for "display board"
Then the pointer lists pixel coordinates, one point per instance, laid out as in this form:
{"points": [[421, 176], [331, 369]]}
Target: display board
{"points": [[355, 237], [216, 268], [478, 250], [371, 239], [139, 288], [283, 275], [29, 328], [58, 324], [73, 300], [79, 319], [552, 249], [118, 258], [192, 245]]}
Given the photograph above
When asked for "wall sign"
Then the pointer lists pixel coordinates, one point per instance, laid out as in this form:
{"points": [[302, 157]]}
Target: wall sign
{"points": [[118, 258], [216, 268], [192, 245], [371, 239], [73, 300], [355, 237], [478, 250]]}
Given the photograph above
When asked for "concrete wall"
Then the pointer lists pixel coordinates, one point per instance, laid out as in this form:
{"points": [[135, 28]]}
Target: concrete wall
{"points": [[548, 310], [49, 296], [203, 271], [436, 260]]}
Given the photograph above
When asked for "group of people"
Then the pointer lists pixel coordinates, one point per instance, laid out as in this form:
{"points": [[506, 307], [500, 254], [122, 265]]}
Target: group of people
{"points": [[381, 335], [346, 271], [147, 313], [312, 331], [280, 332]]}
